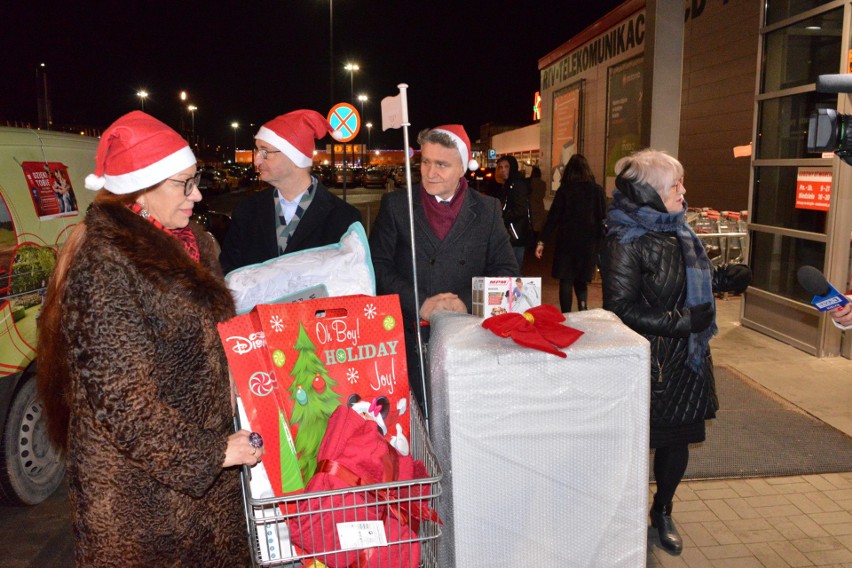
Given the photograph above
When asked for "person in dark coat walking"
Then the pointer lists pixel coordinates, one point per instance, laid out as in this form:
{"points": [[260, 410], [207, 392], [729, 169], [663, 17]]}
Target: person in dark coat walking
{"points": [[516, 207], [658, 279], [132, 374], [298, 212], [577, 216]]}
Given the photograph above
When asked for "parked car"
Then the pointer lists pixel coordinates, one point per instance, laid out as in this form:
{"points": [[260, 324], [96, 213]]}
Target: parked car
{"points": [[325, 174], [212, 182], [233, 175], [479, 179], [399, 175], [353, 177], [214, 222], [375, 177], [36, 216]]}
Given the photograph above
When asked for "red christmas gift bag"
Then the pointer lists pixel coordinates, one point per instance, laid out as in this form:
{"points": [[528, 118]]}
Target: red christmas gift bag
{"points": [[260, 393], [354, 454], [328, 352]]}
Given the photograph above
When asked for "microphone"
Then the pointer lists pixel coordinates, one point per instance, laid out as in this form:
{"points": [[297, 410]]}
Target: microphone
{"points": [[835, 83], [826, 297]]}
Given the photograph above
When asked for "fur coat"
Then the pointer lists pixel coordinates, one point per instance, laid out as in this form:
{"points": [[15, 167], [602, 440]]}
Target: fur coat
{"points": [[150, 400]]}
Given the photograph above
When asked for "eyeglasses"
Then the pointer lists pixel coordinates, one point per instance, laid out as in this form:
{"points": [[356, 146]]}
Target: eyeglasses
{"points": [[264, 153], [188, 185]]}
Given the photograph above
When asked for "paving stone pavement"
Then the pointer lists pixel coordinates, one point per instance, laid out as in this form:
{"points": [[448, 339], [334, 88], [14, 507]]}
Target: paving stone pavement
{"points": [[767, 522]]}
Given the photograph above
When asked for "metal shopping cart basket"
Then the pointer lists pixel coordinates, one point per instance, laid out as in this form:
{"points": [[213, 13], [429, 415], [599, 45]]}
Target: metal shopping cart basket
{"points": [[271, 520]]}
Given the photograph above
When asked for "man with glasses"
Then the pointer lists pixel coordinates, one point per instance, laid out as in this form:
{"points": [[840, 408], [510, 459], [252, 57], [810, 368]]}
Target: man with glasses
{"points": [[297, 212]]}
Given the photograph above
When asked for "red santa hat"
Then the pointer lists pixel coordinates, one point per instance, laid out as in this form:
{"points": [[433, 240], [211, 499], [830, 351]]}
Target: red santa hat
{"points": [[294, 134], [138, 151], [459, 137]]}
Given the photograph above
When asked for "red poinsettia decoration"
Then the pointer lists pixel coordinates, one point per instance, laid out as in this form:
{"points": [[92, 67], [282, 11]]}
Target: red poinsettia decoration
{"points": [[539, 328]]}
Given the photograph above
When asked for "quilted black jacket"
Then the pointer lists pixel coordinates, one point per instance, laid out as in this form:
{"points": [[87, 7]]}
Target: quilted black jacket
{"points": [[644, 284]]}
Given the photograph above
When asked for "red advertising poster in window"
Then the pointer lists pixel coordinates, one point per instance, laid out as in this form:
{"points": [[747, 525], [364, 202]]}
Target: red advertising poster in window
{"points": [[813, 188], [50, 189]]}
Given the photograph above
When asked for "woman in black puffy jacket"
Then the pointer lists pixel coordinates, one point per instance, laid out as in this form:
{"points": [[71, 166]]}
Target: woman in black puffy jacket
{"points": [[658, 280]]}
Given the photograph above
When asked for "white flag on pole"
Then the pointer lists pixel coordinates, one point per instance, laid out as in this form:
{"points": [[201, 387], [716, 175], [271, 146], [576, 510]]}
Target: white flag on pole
{"points": [[392, 112]]}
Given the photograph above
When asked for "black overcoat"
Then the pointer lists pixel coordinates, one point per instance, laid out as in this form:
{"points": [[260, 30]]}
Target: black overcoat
{"points": [[251, 238]]}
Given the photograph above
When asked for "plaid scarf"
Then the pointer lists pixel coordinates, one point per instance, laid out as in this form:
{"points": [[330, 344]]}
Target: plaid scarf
{"points": [[185, 235], [285, 230], [629, 221]]}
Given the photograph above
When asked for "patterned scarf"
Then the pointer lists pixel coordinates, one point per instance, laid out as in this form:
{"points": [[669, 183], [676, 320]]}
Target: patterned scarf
{"points": [[285, 230], [441, 216], [629, 221], [185, 235]]}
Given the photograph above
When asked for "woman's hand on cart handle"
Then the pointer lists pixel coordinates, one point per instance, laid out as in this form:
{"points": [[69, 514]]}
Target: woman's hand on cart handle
{"points": [[241, 451]]}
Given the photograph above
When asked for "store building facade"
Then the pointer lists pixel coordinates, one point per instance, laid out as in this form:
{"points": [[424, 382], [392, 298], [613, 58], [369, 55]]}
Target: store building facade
{"points": [[722, 74]]}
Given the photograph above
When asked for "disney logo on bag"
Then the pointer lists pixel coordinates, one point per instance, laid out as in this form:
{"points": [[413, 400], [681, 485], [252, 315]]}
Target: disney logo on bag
{"points": [[242, 345], [261, 384]]}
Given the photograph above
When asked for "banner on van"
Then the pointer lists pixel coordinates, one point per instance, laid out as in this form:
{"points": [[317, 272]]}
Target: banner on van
{"points": [[50, 189]]}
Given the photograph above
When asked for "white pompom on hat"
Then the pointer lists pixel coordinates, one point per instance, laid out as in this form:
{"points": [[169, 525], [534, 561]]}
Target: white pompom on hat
{"points": [[138, 151], [294, 134], [459, 137]]}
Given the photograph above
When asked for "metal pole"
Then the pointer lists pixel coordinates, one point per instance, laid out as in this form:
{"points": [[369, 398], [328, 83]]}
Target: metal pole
{"points": [[403, 87]]}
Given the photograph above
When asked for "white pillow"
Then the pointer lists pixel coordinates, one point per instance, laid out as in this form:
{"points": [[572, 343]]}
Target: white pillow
{"points": [[344, 268]]}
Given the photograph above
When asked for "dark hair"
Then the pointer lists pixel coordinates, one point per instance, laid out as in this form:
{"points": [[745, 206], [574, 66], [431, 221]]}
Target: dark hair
{"points": [[536, 172], [577, 169]]}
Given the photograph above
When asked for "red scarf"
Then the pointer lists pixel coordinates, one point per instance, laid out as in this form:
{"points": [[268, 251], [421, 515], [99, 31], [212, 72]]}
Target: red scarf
{"points": [[440, 216], [185, 235]]}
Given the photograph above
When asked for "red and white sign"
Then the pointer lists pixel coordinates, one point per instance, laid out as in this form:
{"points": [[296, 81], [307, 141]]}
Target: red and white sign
{"points": [[813, 188]]}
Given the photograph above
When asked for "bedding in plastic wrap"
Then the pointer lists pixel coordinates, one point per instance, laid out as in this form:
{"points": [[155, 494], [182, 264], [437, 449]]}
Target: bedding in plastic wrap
{"points": [[344, 268], [545, 459]]}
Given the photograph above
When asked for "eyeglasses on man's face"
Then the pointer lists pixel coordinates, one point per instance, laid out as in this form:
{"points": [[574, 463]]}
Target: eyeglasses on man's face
{"points": [[264, 153], [189, 184]]}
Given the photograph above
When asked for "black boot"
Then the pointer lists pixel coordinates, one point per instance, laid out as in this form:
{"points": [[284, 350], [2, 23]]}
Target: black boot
{"points": [[581, 306], [670, 540]]}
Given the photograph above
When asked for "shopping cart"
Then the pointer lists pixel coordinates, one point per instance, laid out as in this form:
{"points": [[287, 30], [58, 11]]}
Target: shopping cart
{"points": [[271, 520]]}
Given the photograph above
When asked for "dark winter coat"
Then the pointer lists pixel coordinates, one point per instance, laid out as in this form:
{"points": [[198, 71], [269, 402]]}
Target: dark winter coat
{"points": [[644, 284], [477, 245], [516, 207], [252, 237], [577, 215], [150, 400]]}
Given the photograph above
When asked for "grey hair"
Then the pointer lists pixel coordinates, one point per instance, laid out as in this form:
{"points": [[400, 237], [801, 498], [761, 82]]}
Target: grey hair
{"points": [[651, 167], [436, 137]]}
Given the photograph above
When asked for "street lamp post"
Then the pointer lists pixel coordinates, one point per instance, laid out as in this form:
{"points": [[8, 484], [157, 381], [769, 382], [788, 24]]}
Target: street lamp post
{"points": [[235, 125], [331, 53], [351, 67], [182, 97], [192, 109], [142, 96], [369, 126]]}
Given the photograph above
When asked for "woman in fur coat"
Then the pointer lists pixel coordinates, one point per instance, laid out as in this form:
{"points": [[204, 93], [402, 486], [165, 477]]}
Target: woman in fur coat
{"points": [[131, 371]]}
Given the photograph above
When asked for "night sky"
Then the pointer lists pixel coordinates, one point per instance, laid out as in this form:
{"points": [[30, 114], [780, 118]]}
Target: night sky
{"points": [[464, 61]]}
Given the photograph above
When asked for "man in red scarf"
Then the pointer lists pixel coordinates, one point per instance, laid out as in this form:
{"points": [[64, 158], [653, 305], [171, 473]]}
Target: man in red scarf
{"points": [[458, 234]]}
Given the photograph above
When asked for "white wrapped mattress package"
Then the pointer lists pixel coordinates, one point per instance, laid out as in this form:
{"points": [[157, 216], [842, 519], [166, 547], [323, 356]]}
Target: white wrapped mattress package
{"points": [[342, 269], [545, 459]]}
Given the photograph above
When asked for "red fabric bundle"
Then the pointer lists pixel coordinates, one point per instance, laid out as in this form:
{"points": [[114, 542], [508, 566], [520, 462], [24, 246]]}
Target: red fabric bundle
{"points": [[354, 453], [539, 328]]}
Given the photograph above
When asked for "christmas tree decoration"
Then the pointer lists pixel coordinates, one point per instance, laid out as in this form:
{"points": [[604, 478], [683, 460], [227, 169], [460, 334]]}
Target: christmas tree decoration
{"points": [[310, 416]]}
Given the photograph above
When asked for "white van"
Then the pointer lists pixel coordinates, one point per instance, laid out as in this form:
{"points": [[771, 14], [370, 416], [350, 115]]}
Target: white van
{"points": [[42, 197]]}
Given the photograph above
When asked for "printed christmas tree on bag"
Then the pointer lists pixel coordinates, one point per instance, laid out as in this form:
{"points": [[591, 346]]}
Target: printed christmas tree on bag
{"points": [[314, 401]]}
